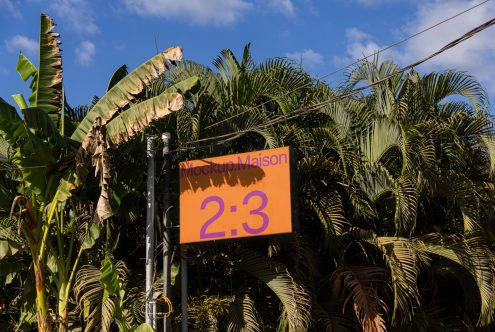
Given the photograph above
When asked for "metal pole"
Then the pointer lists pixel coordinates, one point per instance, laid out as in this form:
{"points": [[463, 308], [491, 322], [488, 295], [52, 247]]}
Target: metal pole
{"points": [[153, 315], [183, 287], [150, 229], [166, 226]]}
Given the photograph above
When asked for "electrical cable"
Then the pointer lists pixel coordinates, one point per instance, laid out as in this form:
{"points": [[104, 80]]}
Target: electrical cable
{"points": [[306, 110], [354, 62]]}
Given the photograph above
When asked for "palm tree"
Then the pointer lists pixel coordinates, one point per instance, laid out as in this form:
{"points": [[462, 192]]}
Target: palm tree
{"points": [[414, 181], [394, 182]]}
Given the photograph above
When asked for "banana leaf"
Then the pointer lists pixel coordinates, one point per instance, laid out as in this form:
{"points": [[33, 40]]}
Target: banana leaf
{"points": [[125, 90]]}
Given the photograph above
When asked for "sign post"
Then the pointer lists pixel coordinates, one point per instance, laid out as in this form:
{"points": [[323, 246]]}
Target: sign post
{"points": [[237, 196], [150, 230], [166, 226]]}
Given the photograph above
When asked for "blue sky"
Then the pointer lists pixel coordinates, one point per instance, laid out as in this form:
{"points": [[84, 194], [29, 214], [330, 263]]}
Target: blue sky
{"points": [[99, 36]]}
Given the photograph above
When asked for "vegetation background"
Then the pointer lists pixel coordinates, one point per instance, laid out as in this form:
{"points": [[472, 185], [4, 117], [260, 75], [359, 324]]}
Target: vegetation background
{"points": [[396, 197]]}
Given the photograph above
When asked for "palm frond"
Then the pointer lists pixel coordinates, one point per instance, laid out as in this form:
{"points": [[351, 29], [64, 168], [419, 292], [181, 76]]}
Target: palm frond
{"points": [[242, 315], [472, 254], [362, 285], [294, 299], [435, 87], [205, 311], [377, 141], [98, 308], [404, 262]]}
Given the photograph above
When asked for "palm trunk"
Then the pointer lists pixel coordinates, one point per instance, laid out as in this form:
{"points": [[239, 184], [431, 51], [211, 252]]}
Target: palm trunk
{"points": [[63, 316], [44, 319]]}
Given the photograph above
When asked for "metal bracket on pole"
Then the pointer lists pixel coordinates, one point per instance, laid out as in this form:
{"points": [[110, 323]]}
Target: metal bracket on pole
{"points": [[167, 324], [150, 231]]}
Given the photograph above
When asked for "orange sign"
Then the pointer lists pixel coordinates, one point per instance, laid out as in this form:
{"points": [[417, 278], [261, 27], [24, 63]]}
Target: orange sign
{"points": [[236, 196]]}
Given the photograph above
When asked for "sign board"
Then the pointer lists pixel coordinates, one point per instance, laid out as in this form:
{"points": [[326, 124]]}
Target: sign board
{"points": [[237, 196]]}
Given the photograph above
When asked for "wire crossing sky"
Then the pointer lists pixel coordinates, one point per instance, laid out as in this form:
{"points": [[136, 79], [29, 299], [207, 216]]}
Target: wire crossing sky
{"points": [[324, 36]]}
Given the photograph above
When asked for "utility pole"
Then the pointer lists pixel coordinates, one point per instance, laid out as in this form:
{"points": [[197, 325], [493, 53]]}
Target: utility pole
{"points": [[150, 231], [166, 225]]}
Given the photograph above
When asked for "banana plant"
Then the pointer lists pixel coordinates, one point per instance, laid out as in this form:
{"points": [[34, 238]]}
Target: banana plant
{"points": [[53, 165]]}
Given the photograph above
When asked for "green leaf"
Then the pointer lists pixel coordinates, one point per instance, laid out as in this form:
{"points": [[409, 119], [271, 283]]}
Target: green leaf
{"points": [[5, 149], [47, 84], [125, 91], [109, 278], [10, 241], [69, 183], [9, 278], [37, 161], [117, 76], [144, 328], [99, 308], [190, 84], [42, 124], [11, 126], [37, 144], [435, 87], [134, 120], [51, 263], [20, 101], [86, 308], [174, 272], [383, 136], [27, 317], [489, 141], [6, 249], [91, 236], [25, 68]]}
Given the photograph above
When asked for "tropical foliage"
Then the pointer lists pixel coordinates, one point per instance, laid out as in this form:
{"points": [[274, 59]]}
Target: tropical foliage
{"points": [[396, 197]]}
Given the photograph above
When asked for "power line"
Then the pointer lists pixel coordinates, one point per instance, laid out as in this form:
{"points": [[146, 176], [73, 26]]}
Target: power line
{"points": [[306, 110], [450, 45], [354, 62]]}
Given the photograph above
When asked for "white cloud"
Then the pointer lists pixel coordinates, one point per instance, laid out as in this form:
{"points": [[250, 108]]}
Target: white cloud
{"points": [[354, 34], [9, 6], [307, 57], [285, 7], [476, 55], [85, 53], [359, 45], [20, 43], [310, 6], [77, 13], [218, 12]]}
